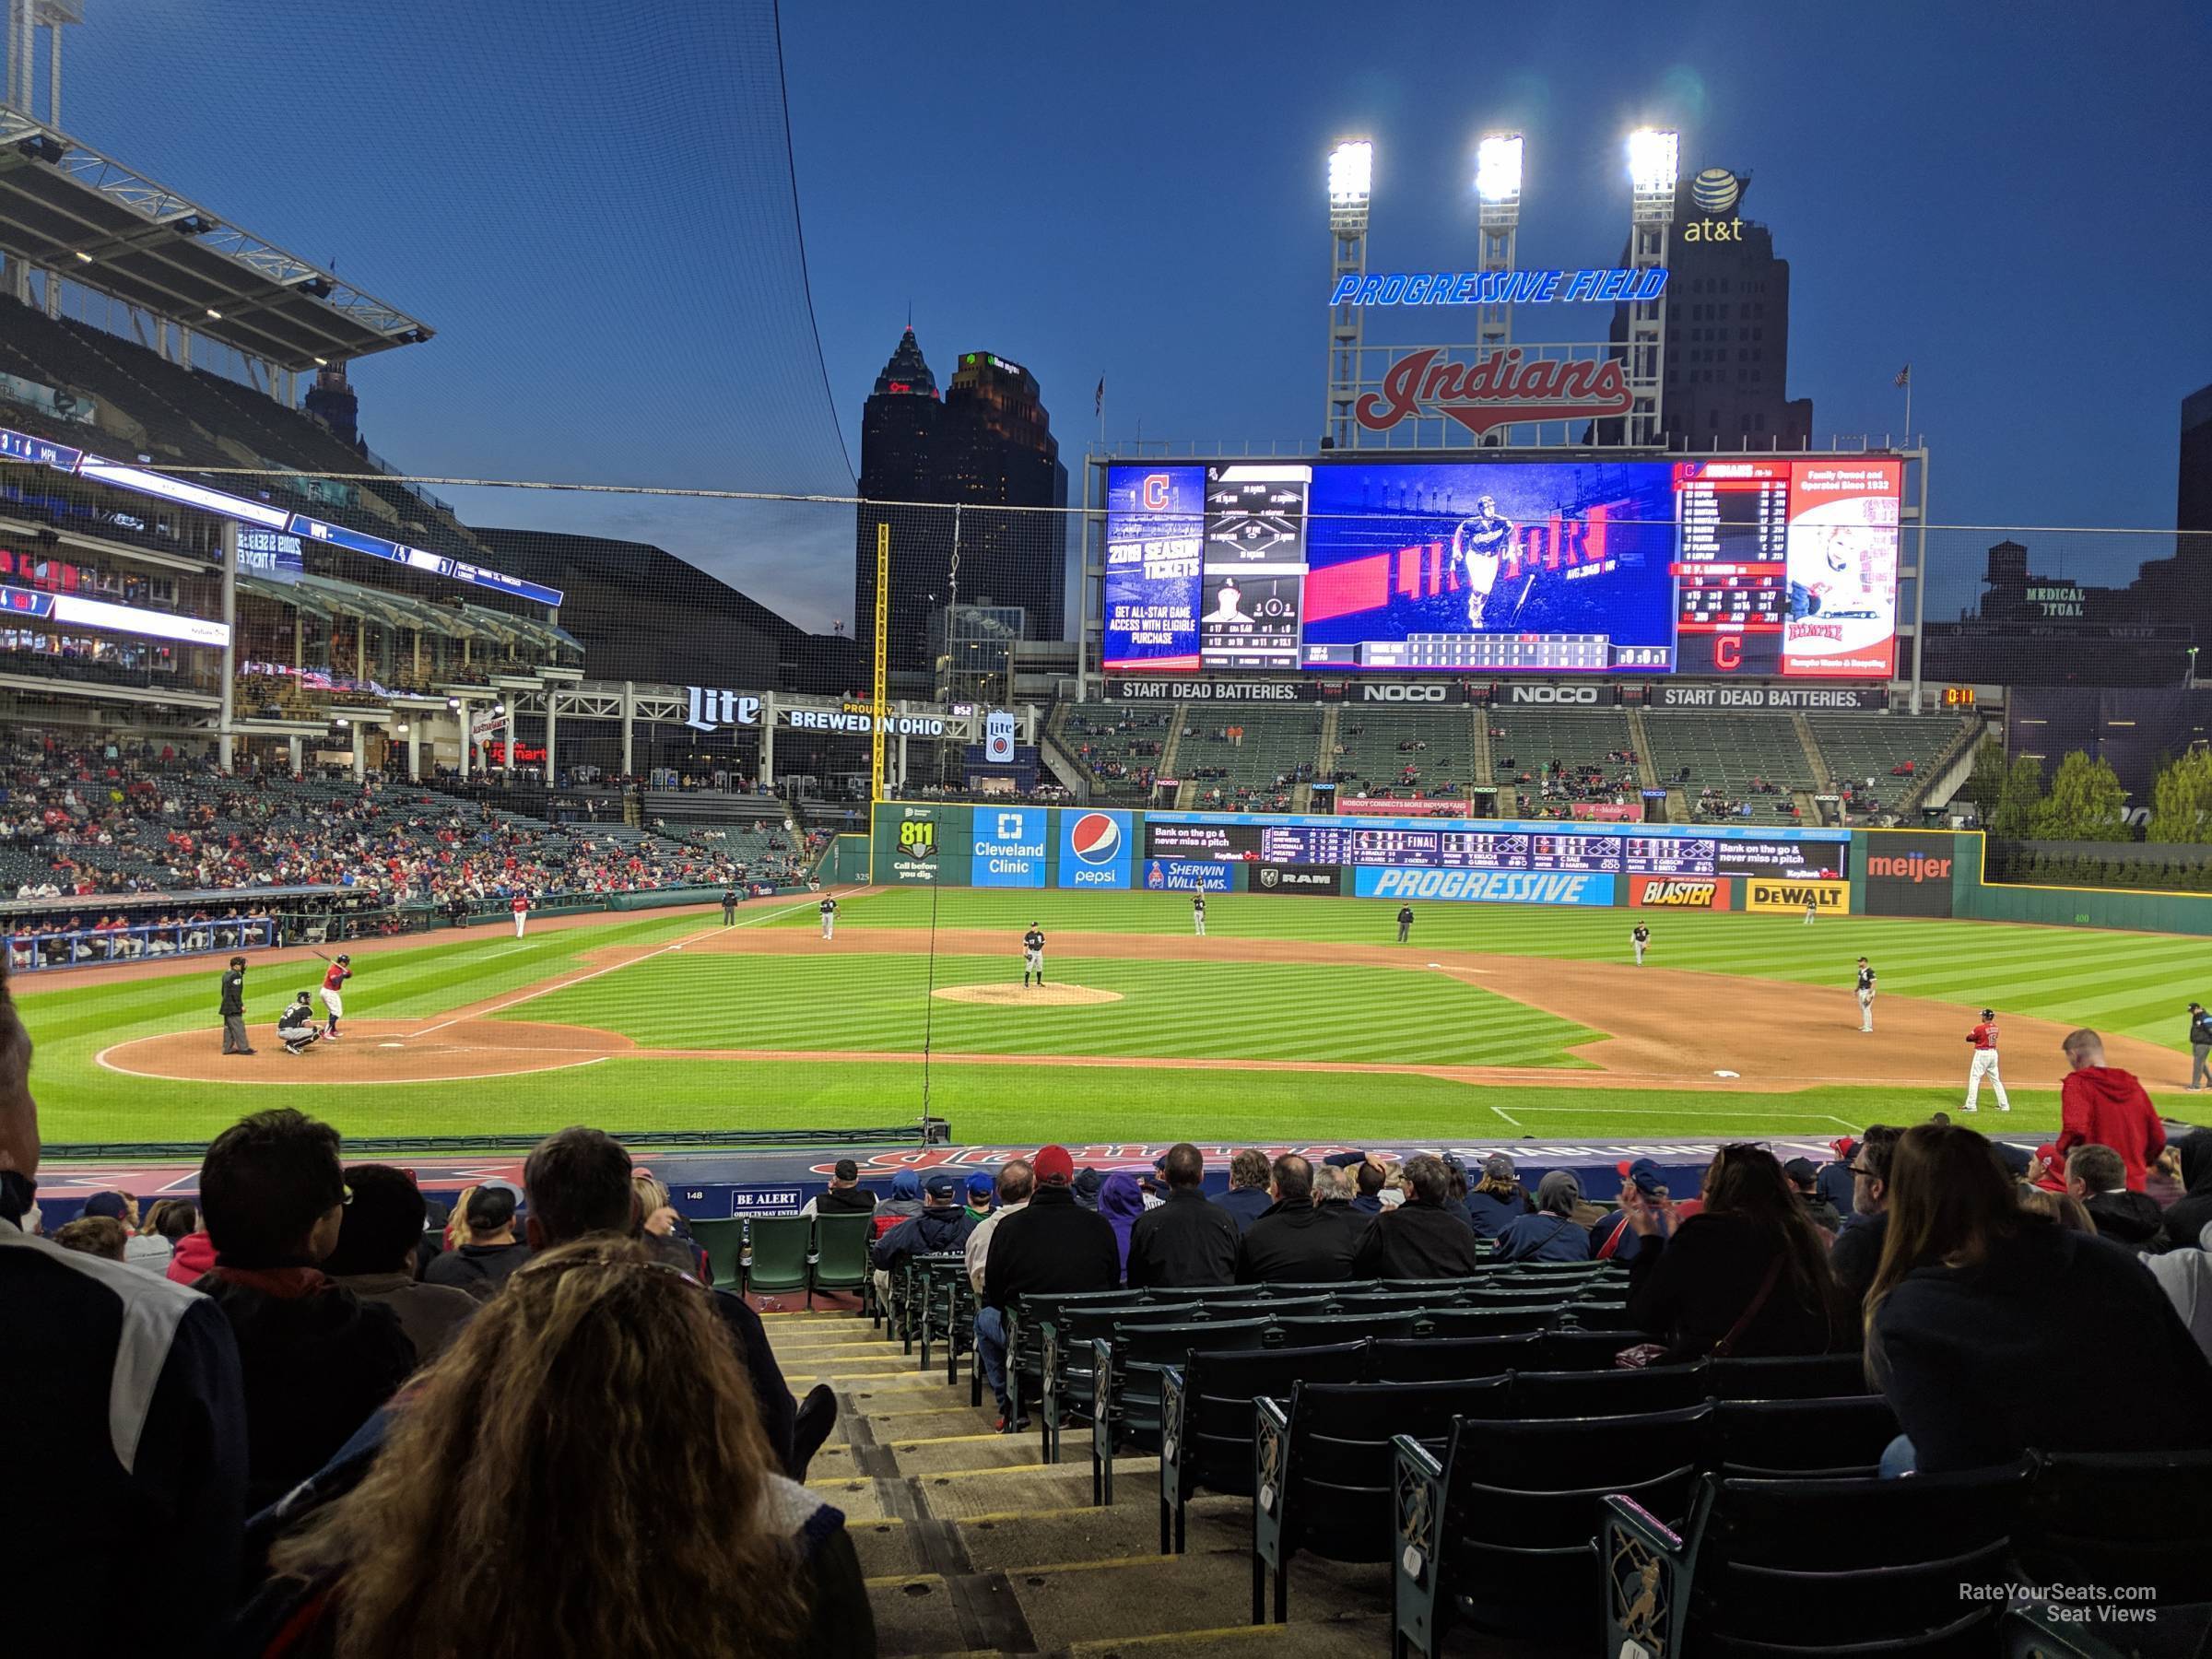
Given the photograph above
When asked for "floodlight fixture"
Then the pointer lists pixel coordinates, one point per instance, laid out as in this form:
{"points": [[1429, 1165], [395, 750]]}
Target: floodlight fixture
{"points": [[1654, 156], [1498, 167], [1351, 185]]}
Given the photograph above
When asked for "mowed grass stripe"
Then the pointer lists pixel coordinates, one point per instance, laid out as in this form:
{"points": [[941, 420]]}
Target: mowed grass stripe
{"points": [[1198, 1010], [2067, 975]]}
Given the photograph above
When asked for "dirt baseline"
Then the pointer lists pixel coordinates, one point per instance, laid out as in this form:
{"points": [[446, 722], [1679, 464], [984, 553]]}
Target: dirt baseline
{"points": [[1666, 1028]]}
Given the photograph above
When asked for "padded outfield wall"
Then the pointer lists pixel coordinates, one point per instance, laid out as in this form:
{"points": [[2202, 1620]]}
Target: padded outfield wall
{"points": [[1931, 873], [1500, 860], [1939, 873]]}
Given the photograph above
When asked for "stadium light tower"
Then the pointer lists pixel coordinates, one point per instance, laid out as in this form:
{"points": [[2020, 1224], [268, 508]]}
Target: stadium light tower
{"points": [[1351, 188], [1498, 190], [1655, 164]]}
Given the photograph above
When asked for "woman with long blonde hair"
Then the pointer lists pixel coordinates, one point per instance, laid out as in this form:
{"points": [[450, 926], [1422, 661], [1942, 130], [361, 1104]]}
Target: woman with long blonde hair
{"points": [[1994, 1330], [582, 1473]]}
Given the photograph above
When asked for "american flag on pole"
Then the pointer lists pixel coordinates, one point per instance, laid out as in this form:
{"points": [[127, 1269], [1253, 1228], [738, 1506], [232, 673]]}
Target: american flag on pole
{"points": [[1099, 402], [1904, 375]]}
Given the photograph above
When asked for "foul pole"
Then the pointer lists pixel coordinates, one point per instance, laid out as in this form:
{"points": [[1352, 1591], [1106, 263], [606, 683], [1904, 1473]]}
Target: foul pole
{"points": [[877, 712]]}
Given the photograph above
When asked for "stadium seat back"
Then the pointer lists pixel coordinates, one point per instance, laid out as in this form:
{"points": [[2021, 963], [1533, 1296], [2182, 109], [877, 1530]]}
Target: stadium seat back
{"points": [[723, 1240], [2137, 1518], [1803, 1438], [1291, 1292], [1491, 1322], [1524, 1503], [1863, 1566], [1503, 1295], [1206, 1413], [840, 1251], [781, 1245], [1603, 1394], [1790, 1377], [1312, 1330], [1583, 1349], [1450, 1358]]}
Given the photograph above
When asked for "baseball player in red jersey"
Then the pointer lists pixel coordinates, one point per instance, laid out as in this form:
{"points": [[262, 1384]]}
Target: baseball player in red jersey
{"points": [[1984, 1038], [333, 988], [519, 905]]}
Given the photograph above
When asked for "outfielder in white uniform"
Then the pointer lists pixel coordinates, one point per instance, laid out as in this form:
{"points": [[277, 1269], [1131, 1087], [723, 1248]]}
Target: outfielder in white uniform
{"points": [[1198, 914], [1984, 1038], [1865, 994], [1811, 911], [829, 909]]}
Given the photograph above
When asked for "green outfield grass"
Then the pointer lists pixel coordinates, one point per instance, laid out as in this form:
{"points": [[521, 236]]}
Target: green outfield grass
{"points": [[850, 998]]}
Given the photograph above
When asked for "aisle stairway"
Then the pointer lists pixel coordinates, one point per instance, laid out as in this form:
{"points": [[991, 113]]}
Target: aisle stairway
{"points": [[970, 1545]]}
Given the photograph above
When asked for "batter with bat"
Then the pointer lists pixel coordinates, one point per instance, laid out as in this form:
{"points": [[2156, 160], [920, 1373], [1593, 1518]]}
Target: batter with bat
{"points": [[333, 990], [1479, 545]]}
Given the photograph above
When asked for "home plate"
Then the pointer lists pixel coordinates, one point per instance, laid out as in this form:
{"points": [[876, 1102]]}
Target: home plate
{"points": [[1727, 1073]]}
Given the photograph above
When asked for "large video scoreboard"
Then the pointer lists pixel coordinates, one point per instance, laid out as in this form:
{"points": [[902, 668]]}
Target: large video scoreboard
{"points": [[1534, 845], [1777, 566]]}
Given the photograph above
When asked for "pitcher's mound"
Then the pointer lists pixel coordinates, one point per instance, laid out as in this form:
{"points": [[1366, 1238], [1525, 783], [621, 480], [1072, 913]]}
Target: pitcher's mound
{"points": [[1018, 995]]}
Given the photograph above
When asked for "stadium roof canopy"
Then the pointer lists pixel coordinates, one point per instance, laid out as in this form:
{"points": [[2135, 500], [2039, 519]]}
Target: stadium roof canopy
{"points": [[64, 208]]}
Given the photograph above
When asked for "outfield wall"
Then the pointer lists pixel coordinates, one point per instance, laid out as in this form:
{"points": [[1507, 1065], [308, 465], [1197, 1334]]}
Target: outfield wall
{"points": [[1934, 873]]}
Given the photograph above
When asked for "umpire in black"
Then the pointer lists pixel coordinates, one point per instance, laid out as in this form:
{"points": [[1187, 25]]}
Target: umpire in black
{"points": [[235, 1041]]}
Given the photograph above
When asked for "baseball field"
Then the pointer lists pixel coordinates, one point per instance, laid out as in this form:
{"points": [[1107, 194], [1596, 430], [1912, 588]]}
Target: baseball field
{"points": [[1292, 1018]]}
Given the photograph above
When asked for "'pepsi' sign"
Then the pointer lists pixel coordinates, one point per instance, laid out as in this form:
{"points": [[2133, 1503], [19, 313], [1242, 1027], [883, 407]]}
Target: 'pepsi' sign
{"points": [[1094, 849]]}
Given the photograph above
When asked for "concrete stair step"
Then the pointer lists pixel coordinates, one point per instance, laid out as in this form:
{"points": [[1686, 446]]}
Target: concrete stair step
{"points": [[1322, 1639], [960, 1453], [1006, 1542], [890, 1372], [1033, 1485], [925, 1423], [887, 1548], [914, 1615], [855, 1496], [1152, 1594]]}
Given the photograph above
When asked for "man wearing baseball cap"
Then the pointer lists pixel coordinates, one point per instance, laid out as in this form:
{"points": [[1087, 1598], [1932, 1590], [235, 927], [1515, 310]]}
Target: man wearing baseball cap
{"points": [[1835, 1181], [943, 1225], [1613, 1239], [2200, 1046], [1053, 1244]]}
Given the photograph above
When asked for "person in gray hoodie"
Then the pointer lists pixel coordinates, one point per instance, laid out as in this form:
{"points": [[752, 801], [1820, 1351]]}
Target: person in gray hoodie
{"points": [[2186, 1277]]}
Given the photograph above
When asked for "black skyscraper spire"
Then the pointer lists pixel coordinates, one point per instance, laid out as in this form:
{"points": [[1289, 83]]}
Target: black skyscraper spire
{"points": [[907, 373]]}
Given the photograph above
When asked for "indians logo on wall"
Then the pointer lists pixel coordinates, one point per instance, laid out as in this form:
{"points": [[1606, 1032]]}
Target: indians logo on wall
{"points": [[1096, 838], [1504, 388]]}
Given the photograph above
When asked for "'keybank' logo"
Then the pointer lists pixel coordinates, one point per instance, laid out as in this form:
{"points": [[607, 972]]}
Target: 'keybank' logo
{"points": [[1484, 886]]}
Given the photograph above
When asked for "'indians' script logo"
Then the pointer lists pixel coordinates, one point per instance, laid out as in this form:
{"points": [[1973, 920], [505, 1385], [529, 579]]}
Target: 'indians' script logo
{"points": [[1500, 389]]}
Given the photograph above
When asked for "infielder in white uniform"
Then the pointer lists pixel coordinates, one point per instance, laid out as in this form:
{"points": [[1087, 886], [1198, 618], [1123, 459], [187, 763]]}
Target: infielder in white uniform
{"points": [[829, 909], [1865, 994], [1198, 914], [1984, 1038], [1642, 938]]}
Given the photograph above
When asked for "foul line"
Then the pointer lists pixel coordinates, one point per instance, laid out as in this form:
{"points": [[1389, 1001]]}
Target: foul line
{"points": [[516, 1002], [1508, 1116]]}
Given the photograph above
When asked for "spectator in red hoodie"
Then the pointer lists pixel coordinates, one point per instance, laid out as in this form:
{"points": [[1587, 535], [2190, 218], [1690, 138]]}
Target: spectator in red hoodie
{"points": [[2103, 1106]]}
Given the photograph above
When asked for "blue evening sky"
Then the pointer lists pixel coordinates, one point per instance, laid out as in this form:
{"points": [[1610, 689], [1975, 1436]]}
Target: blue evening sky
{"points": [[589, 200]]}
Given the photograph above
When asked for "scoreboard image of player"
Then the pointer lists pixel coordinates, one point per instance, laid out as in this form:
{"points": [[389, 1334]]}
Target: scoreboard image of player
{"points": [[1781, 565]]}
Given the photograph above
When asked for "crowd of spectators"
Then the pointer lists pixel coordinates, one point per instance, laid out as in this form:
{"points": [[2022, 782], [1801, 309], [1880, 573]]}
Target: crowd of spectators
{"points": [[132, 818], [334, 1453], [1553, 789], [390, 1390]]}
